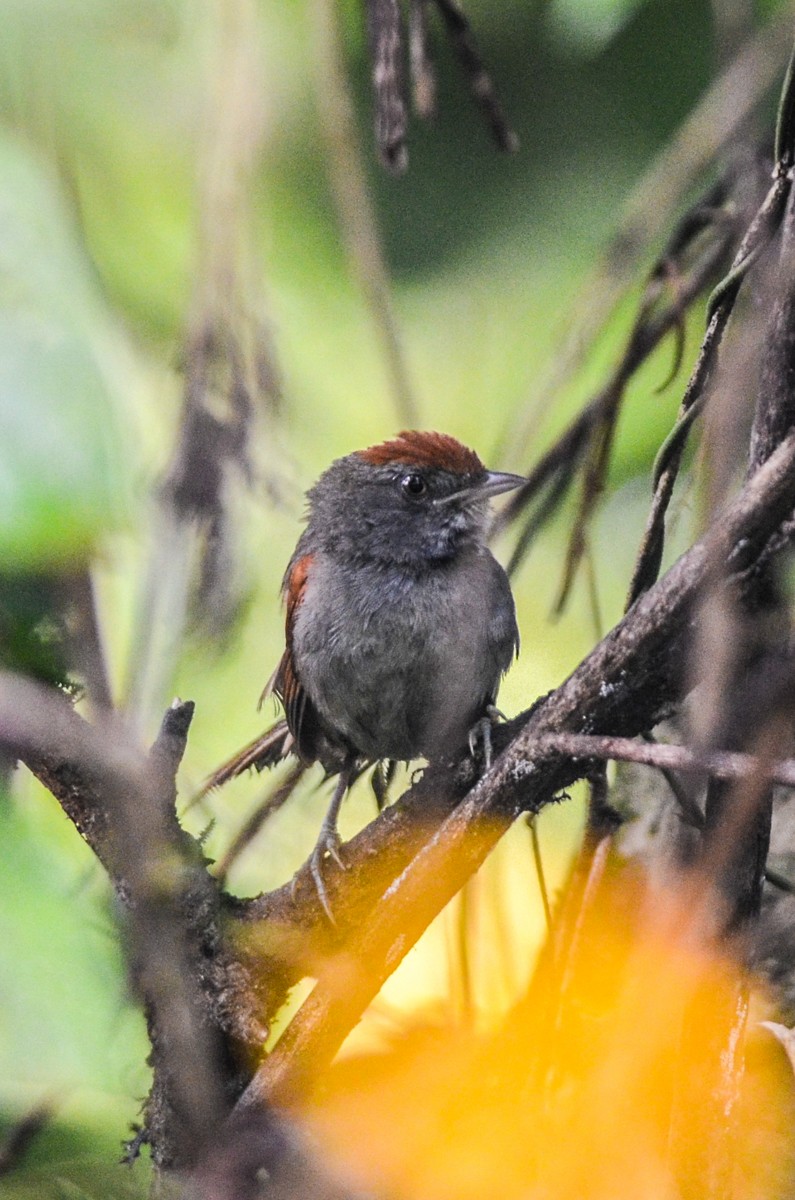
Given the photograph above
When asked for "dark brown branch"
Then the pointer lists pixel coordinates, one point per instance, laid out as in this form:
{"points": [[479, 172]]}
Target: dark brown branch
{"points": [[39, 725], [587, 441], [761, 230], [711, 130], [386, 37], [624, 686], [352, 197], [720, 764], [122, 802], [775, 412], [741, 640], [480, 82]]}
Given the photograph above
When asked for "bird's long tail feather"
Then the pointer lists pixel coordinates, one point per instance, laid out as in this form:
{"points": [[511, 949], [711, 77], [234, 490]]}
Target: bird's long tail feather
{"points": [[270, 748]]}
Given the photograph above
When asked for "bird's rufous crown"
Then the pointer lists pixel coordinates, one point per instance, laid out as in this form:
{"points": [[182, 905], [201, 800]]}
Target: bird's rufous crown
{"points": [[416, 448]]}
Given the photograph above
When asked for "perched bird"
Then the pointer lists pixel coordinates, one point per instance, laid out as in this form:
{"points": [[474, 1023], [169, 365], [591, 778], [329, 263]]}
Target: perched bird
{"points": [[400, 622]]}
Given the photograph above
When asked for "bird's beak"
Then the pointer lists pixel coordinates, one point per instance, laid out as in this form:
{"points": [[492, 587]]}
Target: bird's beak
{"points": [[494, 484], [497, 482]]}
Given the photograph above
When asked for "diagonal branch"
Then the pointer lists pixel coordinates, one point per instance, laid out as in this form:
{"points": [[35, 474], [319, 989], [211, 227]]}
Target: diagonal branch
{"points": [[721, 764], [692, 261]]}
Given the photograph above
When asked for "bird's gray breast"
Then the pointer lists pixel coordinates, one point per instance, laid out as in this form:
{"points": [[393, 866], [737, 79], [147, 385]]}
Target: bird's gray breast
{"points": [[402, 664]]}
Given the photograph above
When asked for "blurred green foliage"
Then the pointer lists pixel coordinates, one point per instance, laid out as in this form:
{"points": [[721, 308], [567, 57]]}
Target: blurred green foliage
{"points": [[101, 109], [61, 465]]}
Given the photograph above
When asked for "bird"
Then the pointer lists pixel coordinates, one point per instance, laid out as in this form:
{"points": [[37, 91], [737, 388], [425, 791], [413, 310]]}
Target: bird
{"points": [[400, 622]]}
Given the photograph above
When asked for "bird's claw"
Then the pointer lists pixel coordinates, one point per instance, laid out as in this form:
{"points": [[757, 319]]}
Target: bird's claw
{"points": [[480, 733], [329, 844], [382, 776]]}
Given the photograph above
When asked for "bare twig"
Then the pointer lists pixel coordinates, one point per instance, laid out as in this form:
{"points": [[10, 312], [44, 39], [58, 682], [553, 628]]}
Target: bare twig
{"points": [[709, 128], [741, 650], [387, 41], [760, 232], [88, 651], [480, 82], [350, 188], [775, 412], [385, 34], [720, 764], [777, 880], [666, 467], [586, 443], [538, 862], [689, 810]]}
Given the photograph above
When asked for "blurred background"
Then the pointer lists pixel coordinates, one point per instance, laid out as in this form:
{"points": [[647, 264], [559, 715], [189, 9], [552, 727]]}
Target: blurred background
{"points": [[166, 170]]}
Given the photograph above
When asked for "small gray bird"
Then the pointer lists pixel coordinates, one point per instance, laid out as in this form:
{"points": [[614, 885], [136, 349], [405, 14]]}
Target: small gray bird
{"points": [[400, 622]]}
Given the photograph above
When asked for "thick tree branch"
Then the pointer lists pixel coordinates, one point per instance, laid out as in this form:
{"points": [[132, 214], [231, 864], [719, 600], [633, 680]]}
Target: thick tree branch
{"points": [[122, 802]]}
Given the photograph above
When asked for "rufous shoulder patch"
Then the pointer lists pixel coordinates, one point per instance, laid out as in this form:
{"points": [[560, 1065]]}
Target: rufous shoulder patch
{"points": [[295, 586], [416, 448]]}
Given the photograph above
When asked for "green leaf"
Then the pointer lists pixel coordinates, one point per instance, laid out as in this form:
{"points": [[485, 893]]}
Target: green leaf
{"points": [[63, 371]]}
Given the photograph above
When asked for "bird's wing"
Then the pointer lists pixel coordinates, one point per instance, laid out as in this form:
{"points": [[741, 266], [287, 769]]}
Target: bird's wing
{"points": [[302, 720]]}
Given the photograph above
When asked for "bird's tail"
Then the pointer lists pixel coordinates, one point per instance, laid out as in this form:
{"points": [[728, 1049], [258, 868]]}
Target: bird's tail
{"points": [[270, 748]]}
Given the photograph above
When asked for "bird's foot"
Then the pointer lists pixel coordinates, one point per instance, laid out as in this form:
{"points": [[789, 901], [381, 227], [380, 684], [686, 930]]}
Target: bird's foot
{"points": [[480, 735], [328, 844]]}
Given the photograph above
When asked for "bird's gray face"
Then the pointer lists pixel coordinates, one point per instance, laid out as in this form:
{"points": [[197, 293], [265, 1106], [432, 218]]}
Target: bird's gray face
{"points": [[414, 515]]}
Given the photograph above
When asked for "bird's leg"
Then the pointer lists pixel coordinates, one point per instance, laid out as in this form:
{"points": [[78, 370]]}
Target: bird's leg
{"points": [[328, 842], [481, 733]]}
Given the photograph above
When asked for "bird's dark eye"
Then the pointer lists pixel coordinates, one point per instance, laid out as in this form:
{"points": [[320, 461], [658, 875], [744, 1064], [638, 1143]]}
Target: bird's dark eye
{"points": [[412, 485]]}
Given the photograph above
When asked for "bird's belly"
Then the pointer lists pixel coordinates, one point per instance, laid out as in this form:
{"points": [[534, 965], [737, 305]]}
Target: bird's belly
{"points": [[401, 676]]}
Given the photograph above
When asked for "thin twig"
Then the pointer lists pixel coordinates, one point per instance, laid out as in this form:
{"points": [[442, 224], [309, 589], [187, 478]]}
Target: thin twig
{"points": [[538, 862], [711, 126], [588, 438], [720, 764], [480, 82], [666, 467], [88, 650], [777, 880], [385, 35], [759, 234], [353, 200], [689, 810]]}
